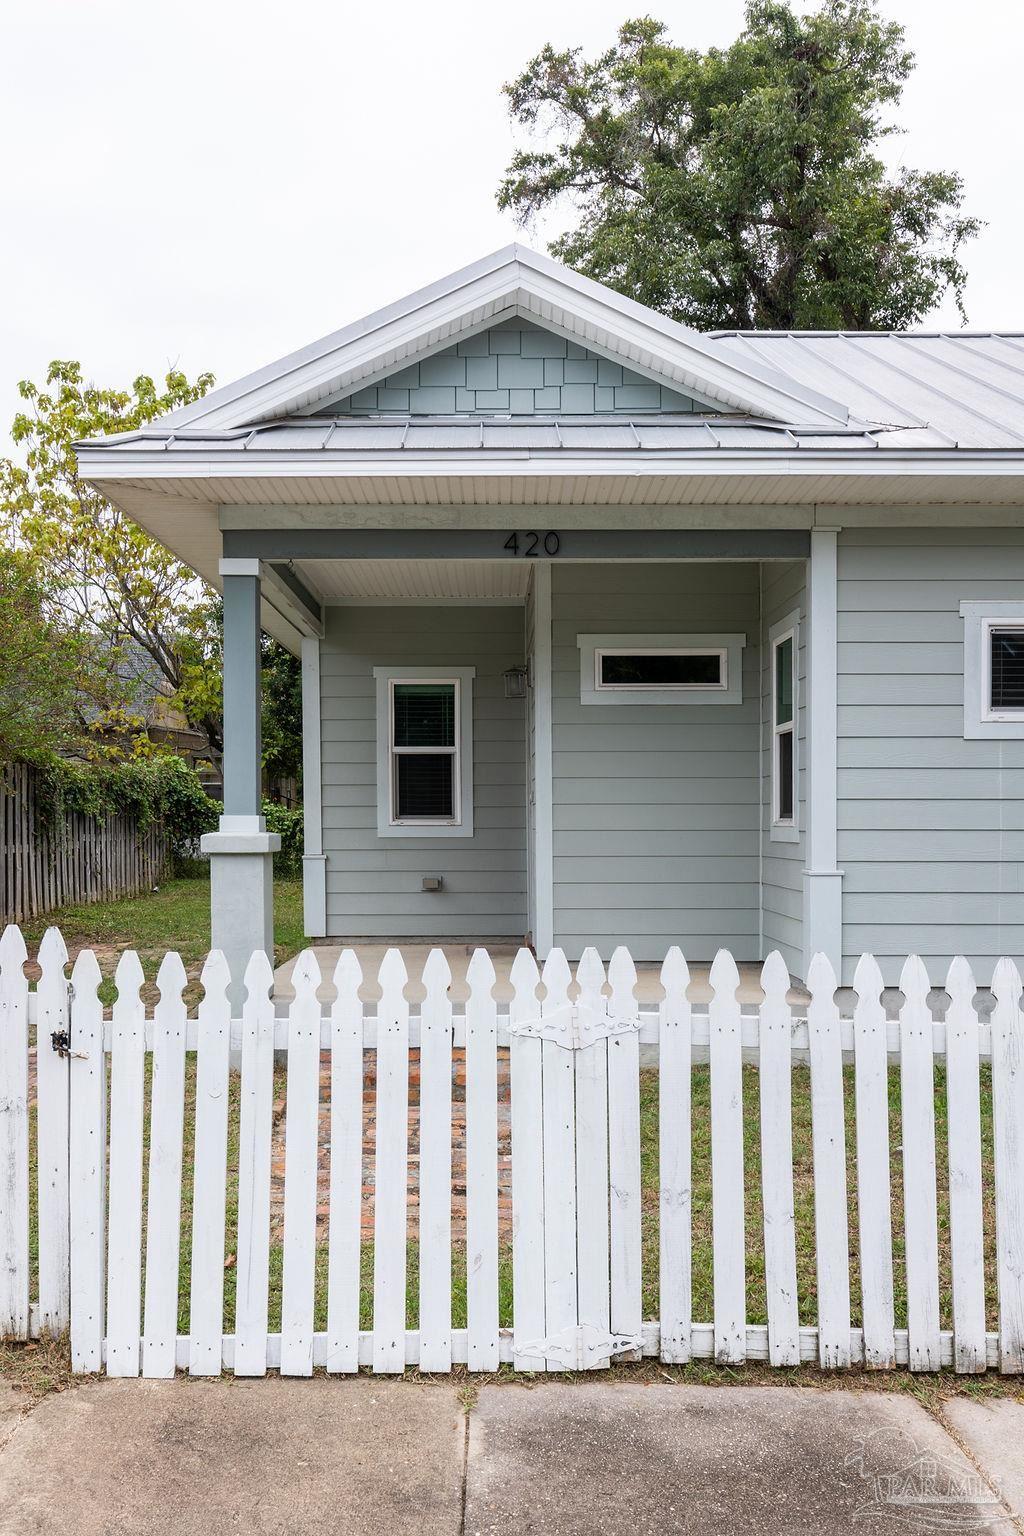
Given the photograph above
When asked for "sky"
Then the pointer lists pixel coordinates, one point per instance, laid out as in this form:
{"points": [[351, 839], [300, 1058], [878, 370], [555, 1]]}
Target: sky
{"points": [[210, 185]]}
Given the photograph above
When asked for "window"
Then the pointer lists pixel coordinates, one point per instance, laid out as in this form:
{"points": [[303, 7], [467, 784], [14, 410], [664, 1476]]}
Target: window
{"points": [[1005, 672], [424, 776], [424, 771], [653, 669], [661, 669], [783, 650], [993, 670]]}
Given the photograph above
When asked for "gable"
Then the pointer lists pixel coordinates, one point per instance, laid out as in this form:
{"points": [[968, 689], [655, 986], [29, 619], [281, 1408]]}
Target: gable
{"points": [[514, 367], [514, 284]]}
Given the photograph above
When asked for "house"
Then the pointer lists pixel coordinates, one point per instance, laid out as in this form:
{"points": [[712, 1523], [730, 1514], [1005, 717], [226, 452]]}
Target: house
{"points": [[614, 632]]}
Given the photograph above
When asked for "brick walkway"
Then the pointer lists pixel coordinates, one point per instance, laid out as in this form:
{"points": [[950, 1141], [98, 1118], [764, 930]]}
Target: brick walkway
{"points": [[504, 1149]]}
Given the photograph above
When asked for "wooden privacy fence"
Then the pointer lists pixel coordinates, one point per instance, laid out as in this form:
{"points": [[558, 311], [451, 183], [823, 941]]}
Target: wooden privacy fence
{"points": [[576, 1259], [42, 867]]}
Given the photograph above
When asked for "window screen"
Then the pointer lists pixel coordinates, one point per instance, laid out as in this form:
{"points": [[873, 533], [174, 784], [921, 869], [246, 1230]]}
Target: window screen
{"points": [[424, 749], [661, 669], [1007, 669]]}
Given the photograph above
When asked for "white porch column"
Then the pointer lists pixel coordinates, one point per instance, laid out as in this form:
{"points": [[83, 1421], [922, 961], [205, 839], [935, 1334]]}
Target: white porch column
{"points": [[314, 863], [543, 765], [823, 880], [241, 864]]}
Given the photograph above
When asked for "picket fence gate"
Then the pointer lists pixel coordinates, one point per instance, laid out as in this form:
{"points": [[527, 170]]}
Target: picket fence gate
{"points": [[576, 1166]]}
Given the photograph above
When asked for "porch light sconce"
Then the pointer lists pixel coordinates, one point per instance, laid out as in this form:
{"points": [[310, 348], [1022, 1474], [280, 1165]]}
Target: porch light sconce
{"points": [[515, 683], [432, 883]]}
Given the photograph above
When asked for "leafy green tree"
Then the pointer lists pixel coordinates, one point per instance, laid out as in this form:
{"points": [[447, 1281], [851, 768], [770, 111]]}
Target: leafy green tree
{"points": [[146, 614], [282, 713], [41, 666], [742, 187]]}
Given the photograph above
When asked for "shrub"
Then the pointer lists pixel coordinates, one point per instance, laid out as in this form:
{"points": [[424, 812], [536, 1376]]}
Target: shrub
{"points": [[288, 825], [160, 790]]}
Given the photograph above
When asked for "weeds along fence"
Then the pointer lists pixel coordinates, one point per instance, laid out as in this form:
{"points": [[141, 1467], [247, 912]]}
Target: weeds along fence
{"points": [[43, 867], [347, 1210]]}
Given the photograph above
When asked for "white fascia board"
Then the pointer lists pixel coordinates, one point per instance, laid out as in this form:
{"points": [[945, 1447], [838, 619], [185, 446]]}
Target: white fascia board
{"points": [[511, 280], [96, 467]]}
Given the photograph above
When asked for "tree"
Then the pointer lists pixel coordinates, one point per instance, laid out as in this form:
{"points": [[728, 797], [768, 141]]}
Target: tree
{"points": [[41, 666], [145, 613], [282, 713], [742, 188]]}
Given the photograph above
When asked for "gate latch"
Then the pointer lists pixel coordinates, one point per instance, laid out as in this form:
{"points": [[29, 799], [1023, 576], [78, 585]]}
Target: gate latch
{"points": [[60, 1041], [581, 1348], [574, 1026]]}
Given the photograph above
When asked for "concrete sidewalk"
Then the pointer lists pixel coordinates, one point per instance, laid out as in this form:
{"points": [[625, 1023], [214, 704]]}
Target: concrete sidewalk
{"points": [[365, 1456]]}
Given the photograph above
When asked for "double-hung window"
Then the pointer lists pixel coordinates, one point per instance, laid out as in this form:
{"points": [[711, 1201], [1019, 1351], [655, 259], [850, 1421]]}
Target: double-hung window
{"points": [[783, 643], [424, 727]]}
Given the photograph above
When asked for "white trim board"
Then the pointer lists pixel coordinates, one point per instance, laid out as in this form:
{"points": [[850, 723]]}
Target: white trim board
{"points": [[543, 764], [314, 864]]}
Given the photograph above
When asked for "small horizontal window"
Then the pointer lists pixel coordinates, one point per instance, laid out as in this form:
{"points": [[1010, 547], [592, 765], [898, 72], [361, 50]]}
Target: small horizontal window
{"points": [[1006, 672], [661, 669]]}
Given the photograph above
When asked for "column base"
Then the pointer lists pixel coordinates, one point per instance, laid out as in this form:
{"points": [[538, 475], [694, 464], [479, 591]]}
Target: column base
{"points": [[314, 895], [241, 899], [823, 917]]}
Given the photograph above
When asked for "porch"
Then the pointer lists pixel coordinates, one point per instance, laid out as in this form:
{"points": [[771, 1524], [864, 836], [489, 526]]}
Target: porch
{"points": [[648, 991], [577, 813]]}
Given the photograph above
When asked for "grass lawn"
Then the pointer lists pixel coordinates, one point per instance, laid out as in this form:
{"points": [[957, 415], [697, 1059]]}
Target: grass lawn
{"points": [[176, 916]]}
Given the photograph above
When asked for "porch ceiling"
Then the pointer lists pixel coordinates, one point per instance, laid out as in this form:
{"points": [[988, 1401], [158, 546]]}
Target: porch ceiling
{"points": [[485, 581]]}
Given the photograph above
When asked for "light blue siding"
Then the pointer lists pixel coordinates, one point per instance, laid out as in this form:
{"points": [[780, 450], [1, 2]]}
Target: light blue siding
{"points": [[931, 827], [374, 884], [518, 367], [783, 592], [656, 814]]}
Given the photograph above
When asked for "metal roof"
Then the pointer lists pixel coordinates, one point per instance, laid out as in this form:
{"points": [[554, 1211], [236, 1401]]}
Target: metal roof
{"points": [[966, 387], [395, 437]]}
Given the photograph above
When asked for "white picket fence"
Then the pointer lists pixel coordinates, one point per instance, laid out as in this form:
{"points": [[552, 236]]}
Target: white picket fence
{"points": [[576, 1166]]}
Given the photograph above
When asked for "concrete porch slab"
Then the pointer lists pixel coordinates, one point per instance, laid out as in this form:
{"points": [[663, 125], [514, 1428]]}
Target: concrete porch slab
{"points": [[187, 1458], [585, 1460], [502, 953]]}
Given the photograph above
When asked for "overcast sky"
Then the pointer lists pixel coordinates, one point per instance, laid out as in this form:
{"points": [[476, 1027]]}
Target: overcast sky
{"points": [[213, 184]]}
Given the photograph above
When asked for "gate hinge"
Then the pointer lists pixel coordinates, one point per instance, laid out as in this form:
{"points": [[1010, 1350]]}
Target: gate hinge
{"points": [[574, 1026], [581, 1348]]}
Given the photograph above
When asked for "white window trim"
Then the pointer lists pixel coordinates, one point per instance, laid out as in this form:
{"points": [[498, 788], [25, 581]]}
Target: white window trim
{"points": [[593, 691], [784, 831], [462, 678], [981, 722]]}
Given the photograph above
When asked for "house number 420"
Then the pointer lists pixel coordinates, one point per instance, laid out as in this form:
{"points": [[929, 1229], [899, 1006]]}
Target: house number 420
{"points": [[532, 544]]}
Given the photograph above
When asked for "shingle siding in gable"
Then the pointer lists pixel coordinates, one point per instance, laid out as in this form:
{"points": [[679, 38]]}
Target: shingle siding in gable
{"points": [[519, 368]]}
